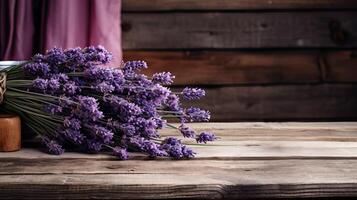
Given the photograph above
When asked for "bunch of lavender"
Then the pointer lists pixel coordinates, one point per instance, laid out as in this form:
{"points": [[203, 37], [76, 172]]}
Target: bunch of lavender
{"points": [[71, 101]]}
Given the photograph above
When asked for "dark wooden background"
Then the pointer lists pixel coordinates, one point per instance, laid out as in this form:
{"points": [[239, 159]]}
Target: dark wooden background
{"points": [[259, 60]]}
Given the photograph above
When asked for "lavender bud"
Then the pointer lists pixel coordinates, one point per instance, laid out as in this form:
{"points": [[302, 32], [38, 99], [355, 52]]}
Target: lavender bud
{"points": [[187, 131], [193, 114], [193, 93], [52, 146], [163, 78], [121, 153], [204, 137]]}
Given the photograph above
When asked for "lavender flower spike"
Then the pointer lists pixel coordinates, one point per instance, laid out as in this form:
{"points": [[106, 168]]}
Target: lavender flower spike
{"points": [[193, 93], [204, 137], [73, 135], [193, 114], [131, 66], [40, 84], [36, 69], [88, 108], [163, 78], [103, 134], [186, 131], [52, 146], [121, 153], [72, 123], [176, 149]]}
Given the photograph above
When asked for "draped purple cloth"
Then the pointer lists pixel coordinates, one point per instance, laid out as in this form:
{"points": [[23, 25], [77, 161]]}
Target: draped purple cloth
{"points": [[31, 26]]}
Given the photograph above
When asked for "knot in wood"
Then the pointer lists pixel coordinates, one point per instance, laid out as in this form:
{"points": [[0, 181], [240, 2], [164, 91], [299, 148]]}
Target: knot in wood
{"points": [[2, 86]]}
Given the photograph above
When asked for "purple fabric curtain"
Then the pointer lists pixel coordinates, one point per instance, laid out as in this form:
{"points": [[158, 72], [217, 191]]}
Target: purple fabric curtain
{"points": [[32, 26]]}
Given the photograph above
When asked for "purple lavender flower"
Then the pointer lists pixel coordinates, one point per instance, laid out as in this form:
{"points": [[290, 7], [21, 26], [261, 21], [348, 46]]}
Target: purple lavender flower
{"points": [[97, 54], [38, 58], [62, 78], [147, 146], [104, 87], [176, 149], [187, 152], [149, 110], [70, 88], [53, 85], [193, 93], [128, 129], [40, 84], [88, 108], [132, 66], [193, 114], [75, 55], [37, 69], [171, 141], [159, 94], [137, 81], [118, 79], [104, 55], [102, 133], [72, 123], [53, 109], [172, 102], [160, 123], [187, 131], [146, 127], [126, 109], [55, 57], [93, 145], [73, 135], [66, 102], [163, 78], [99, 74], [121, 153], [156, 95], [204, 137], [52, 146]]}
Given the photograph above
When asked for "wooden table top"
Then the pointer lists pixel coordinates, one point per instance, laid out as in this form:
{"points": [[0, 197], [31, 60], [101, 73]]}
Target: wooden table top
{"points": [[251, 160]]}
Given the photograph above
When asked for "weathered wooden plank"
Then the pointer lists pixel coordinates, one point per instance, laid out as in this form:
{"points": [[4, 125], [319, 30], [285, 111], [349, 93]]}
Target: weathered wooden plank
{"points": [[239, 30], [169, 5], [232, 67], [297, 167], [23, 166], [233, 149], [340, 66], [297, 102], [155, 179], [261, 131], [242, 141]]}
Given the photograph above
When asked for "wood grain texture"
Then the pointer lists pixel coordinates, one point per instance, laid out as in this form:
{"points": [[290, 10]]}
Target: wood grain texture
{"points": [[340, 66], [316, 173], [239, 30], [281, 102], [10, 133], [170, 5], [232, 67], [179, 186]]}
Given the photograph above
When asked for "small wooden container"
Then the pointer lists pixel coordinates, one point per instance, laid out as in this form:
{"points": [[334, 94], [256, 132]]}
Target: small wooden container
{"points": [[10, 133]]}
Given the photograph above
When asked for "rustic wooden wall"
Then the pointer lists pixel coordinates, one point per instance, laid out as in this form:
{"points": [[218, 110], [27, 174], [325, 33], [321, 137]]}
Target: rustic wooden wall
{"points": [[258, 59]]}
